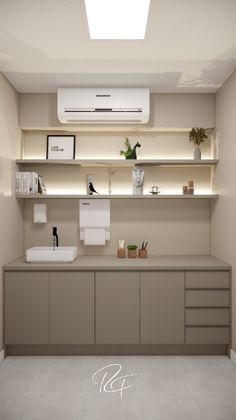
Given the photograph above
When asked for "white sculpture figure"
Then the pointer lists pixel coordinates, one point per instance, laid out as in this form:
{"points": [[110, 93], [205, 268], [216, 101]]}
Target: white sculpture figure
{"points": [[137, 180]]}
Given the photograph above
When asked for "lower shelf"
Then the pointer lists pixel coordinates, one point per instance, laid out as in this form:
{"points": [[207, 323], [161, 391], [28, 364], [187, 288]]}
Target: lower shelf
{"points": [[122, 196]]}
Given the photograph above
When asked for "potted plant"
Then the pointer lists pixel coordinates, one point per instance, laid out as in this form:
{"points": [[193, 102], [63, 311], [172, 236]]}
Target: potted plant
{"points": [[197, 136], [132, 251]]}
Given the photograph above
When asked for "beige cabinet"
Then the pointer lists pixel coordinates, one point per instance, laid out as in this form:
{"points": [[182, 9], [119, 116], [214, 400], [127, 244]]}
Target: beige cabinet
{"points": [[162, 307], [207, 307], [117, 308], [26, 308], [72, 308]]}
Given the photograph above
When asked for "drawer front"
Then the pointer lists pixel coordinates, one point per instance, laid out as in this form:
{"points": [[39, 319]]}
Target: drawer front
{"points": [[211, 335], [207, 298], [207, 280], [207, 316]]}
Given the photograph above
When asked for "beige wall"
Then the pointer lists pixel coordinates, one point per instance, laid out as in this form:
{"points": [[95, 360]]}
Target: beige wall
{"points": [[11, 213], [170, 226], [223, 226], [167, 110]]}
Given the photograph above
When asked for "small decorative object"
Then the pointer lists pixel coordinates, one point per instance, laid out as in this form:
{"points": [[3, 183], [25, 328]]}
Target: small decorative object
{"points": [[188, 189], [185, 189], [198, 136], [89, 180], [130, 153], [60, 147], [137, 180], [132, 251], [120, 253], [91, 189], [155, 190], [121, 249], [142, 253], [111, 172]]}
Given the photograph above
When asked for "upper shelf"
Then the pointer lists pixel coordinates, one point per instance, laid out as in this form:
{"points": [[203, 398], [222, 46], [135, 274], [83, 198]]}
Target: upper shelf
{"points": [[113, 129], [120, 162]]}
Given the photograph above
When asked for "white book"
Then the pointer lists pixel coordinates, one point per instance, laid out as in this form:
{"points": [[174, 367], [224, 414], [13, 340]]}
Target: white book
{"points": [[18, 181], [21, 183], [35, 189], [42, 187], [33, 184], [26, 183]]}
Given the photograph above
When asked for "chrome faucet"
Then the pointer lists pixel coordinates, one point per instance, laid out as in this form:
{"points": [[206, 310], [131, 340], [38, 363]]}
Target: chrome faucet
{"points": [[55, 237]]}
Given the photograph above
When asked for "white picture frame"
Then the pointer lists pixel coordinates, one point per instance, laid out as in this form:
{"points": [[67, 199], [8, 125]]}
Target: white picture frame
{"points": [[60, 147]]}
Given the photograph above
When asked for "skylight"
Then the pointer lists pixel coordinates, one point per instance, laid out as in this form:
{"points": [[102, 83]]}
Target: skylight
{"points": [[117, 19]]}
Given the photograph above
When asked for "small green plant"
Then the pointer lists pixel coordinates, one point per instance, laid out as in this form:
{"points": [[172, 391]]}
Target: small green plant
{"points": [[197, 135], [127, 152], [130, 153], [132, 247]]}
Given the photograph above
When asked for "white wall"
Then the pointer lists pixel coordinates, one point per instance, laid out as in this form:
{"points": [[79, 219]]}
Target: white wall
{"points": [[11, 213], [223, 226]]}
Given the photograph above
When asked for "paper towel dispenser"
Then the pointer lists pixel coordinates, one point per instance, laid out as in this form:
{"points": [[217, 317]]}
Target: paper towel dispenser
{"points": [[95, 221]]}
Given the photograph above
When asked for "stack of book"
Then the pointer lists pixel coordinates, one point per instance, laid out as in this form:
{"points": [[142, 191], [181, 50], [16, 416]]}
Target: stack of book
{"points": [[29, 183]]}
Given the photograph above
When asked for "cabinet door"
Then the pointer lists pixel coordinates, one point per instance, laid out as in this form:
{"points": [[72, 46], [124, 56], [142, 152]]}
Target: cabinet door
{"points": [[72, 308], [26, 308], [162, 308], [117, 308]]}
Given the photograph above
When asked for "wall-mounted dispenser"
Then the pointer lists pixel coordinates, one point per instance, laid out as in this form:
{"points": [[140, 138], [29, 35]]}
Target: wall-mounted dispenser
{"points": [[40, 213], [95, 221]]}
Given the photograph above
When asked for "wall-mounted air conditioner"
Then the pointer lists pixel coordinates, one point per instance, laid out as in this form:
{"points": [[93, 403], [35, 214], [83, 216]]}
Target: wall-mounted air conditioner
{"points": [[103, 106]]}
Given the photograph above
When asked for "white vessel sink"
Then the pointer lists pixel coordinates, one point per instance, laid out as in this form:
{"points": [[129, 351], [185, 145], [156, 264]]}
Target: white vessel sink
{"points": [[47, 254]]}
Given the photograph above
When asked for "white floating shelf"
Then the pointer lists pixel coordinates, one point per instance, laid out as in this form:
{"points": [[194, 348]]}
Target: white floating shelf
{"points": [[113, 129], [122, 196], [120, 162]]}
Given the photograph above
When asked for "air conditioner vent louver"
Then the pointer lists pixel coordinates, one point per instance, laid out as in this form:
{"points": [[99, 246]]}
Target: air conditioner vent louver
{"points": [[106, 106], [102, 110]]}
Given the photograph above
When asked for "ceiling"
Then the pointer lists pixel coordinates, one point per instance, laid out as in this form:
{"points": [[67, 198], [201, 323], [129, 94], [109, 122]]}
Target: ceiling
{"points": [[190, 46]]}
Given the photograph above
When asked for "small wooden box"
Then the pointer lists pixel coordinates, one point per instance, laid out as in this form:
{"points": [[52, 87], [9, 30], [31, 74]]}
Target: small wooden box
{"points": [[132, 253], [120, 253], [142, 253]]}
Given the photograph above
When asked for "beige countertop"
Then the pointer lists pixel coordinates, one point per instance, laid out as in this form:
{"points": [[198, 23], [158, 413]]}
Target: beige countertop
{"points": [[109, 262]]}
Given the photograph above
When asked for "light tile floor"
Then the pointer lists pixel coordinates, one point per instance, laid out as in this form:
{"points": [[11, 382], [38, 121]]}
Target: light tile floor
{"points": [[165, 388]]}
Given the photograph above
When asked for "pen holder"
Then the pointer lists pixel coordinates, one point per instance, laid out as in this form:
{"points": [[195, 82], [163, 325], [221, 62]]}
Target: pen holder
{"points": [[142, 253], [121, 253], [132, 253]]}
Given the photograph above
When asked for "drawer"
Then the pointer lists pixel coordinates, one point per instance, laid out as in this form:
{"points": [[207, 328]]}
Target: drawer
{"points": [[207, 316], [205, 298], [207, 335], [207, 280]]}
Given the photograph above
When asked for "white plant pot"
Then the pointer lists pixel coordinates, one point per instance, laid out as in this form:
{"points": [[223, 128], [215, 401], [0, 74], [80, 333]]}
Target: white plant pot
{"points": [[197, 153]]}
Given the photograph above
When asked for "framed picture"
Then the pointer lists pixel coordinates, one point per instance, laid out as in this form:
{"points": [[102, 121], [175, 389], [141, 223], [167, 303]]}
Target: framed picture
{"points": [[60, 147]]}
